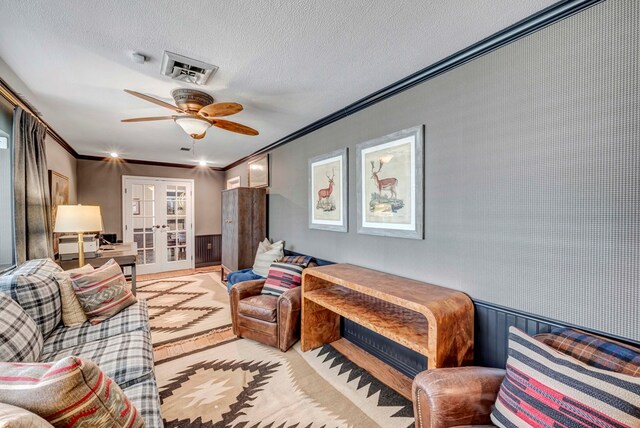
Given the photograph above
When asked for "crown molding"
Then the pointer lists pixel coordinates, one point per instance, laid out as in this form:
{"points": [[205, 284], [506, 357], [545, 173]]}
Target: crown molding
{"points": [[11, 96], [144, 162]]}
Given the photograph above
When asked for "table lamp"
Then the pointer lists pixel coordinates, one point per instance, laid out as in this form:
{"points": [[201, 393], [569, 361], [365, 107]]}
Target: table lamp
{"points": [[78, 219]]}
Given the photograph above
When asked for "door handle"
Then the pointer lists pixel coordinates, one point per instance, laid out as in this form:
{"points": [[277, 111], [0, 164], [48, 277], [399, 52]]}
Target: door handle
{"points": [[228, 221]]}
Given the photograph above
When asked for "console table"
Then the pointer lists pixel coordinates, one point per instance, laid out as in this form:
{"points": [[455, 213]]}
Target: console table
{"points": [[434, 321], [124, 254]]}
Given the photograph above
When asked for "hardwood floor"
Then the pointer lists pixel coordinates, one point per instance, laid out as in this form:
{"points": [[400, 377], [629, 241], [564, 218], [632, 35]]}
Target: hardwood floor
{"points": [[173, 273]]}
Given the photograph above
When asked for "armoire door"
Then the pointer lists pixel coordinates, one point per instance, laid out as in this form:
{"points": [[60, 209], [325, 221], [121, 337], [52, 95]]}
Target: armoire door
{"points": [[230, 229]]}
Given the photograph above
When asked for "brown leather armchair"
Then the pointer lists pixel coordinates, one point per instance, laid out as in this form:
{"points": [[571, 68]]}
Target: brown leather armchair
{"points": [[271, 320], [453, 397]]}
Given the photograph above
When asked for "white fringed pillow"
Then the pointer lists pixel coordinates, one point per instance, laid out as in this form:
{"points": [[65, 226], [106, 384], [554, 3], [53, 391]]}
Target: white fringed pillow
{"points": [[72, 312], [267, 253]]}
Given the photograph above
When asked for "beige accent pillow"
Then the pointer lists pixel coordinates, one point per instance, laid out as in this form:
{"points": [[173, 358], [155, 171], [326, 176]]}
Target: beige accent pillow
{"points": [[72, 313], [16, 417], [266, 256]]}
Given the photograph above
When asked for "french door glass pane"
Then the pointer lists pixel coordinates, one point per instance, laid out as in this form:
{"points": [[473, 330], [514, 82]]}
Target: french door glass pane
{"points": [[144, 220], [176, 223]]}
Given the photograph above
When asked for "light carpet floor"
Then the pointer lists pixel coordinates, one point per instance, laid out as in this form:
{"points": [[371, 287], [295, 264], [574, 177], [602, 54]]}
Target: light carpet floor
{"points": [[242, 383], [184, 307]]}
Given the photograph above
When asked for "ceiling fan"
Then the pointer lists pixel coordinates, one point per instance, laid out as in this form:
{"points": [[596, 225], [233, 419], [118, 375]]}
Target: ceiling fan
{"points": [[197, 112]]}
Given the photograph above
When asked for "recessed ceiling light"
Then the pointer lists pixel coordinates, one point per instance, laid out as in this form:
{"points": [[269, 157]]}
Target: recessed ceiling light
{"points": [[203, 163], [114, 154]]}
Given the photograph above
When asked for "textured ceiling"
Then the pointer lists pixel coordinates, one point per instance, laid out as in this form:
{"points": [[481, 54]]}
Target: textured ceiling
{"points": [[288, 62]]}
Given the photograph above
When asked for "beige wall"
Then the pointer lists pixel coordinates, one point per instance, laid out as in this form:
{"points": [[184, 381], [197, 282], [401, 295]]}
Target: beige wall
{"points": [[100, 183], [62, 162]]}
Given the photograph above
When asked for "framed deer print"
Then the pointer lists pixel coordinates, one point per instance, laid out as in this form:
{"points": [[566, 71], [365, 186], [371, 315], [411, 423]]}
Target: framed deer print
{"points": [[328, 192], [390, 174]]}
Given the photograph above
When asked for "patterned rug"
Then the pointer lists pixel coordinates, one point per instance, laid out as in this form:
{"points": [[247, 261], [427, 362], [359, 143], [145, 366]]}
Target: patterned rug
{"points": [[241, 383], [185, 306]]}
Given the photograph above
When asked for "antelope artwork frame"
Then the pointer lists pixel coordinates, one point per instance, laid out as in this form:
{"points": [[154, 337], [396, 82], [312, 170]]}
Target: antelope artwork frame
{"points": [[328, 192], [390, 184]]}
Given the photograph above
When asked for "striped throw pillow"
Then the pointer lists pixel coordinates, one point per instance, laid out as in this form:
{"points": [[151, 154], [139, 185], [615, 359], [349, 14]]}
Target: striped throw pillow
{"points": [[543, 387], [69, 392], [103, 292], [594, 350], [20, 338], [282, 277]]}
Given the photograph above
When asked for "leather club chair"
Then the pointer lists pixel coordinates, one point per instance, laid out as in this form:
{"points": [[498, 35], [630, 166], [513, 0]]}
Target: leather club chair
{"points": [[271, 320], [454, 397]]}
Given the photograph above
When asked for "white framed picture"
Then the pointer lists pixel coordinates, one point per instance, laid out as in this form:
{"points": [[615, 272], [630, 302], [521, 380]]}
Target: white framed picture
{"points": [[328, 201], [390, 179], [234, 182], [259, 172]]}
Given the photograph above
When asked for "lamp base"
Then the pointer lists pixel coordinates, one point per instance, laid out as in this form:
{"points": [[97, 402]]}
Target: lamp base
{"points": [[80, 249]]}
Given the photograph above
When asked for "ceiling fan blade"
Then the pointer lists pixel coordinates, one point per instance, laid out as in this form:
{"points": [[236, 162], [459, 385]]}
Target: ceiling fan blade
{"points": [[220, 109], [147, 119], [154, 100], [227, 125], [198, 136]]}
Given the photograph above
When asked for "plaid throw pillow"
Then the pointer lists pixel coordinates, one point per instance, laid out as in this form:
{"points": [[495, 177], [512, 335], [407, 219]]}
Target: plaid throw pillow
{"points": [[69, 392], [72, 313], [593, 350], [282, 277], [543, 387], [35, 289], [103, 292], [20, 338], [304, 261]]}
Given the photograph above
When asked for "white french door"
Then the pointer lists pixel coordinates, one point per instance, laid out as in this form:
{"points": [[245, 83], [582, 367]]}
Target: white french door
{"points": [[158, 217]]}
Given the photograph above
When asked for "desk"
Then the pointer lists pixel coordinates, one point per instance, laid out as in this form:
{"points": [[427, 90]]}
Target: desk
{"points": [[123, 254]]}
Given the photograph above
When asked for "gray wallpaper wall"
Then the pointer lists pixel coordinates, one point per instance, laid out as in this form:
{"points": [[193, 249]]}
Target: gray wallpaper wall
{"points": [[532, 187]]}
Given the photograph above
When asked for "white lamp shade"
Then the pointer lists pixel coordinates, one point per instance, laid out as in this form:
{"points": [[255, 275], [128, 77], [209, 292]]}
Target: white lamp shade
{"points": [[192, 125], [78, 218]]}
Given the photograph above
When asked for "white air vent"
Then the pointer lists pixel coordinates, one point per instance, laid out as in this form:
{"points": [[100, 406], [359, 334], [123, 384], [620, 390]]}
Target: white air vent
{"points": [[185, 69]]}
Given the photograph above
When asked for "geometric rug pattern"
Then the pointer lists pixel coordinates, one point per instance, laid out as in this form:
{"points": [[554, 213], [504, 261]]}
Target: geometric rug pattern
{"points": [[185, 307], [242, 383]]}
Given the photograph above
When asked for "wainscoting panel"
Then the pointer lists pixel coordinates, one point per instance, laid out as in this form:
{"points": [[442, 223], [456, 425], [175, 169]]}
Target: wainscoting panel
{"points": [[208, 250], [492, 324], [401, 358]]}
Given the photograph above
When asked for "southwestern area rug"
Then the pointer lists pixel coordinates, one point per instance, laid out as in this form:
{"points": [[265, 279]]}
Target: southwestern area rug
{"points": [[241, 383], [185, 306]]}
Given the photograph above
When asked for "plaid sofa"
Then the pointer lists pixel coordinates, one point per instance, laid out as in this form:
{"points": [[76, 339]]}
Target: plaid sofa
{"points": [[120, 346]]}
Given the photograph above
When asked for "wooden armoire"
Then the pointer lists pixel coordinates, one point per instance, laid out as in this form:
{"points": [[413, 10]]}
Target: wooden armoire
{"points": [[244, 225]]}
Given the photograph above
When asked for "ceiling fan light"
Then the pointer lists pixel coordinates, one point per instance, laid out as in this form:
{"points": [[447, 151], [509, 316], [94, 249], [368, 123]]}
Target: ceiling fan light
{"points": [[192, 125]]}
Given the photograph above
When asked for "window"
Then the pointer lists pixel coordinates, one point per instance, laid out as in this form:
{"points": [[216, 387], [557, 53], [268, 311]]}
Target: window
{"points": [[7, 253]]}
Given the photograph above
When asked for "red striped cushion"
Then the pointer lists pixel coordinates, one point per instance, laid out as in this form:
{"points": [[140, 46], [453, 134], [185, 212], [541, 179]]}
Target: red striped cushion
{"points": [[544, 387], [68, 393], [102, 293], [282, 277]]}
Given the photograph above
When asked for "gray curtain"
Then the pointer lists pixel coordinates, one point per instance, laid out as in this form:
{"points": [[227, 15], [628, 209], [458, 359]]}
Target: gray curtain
{"points": [[31, 189]]}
